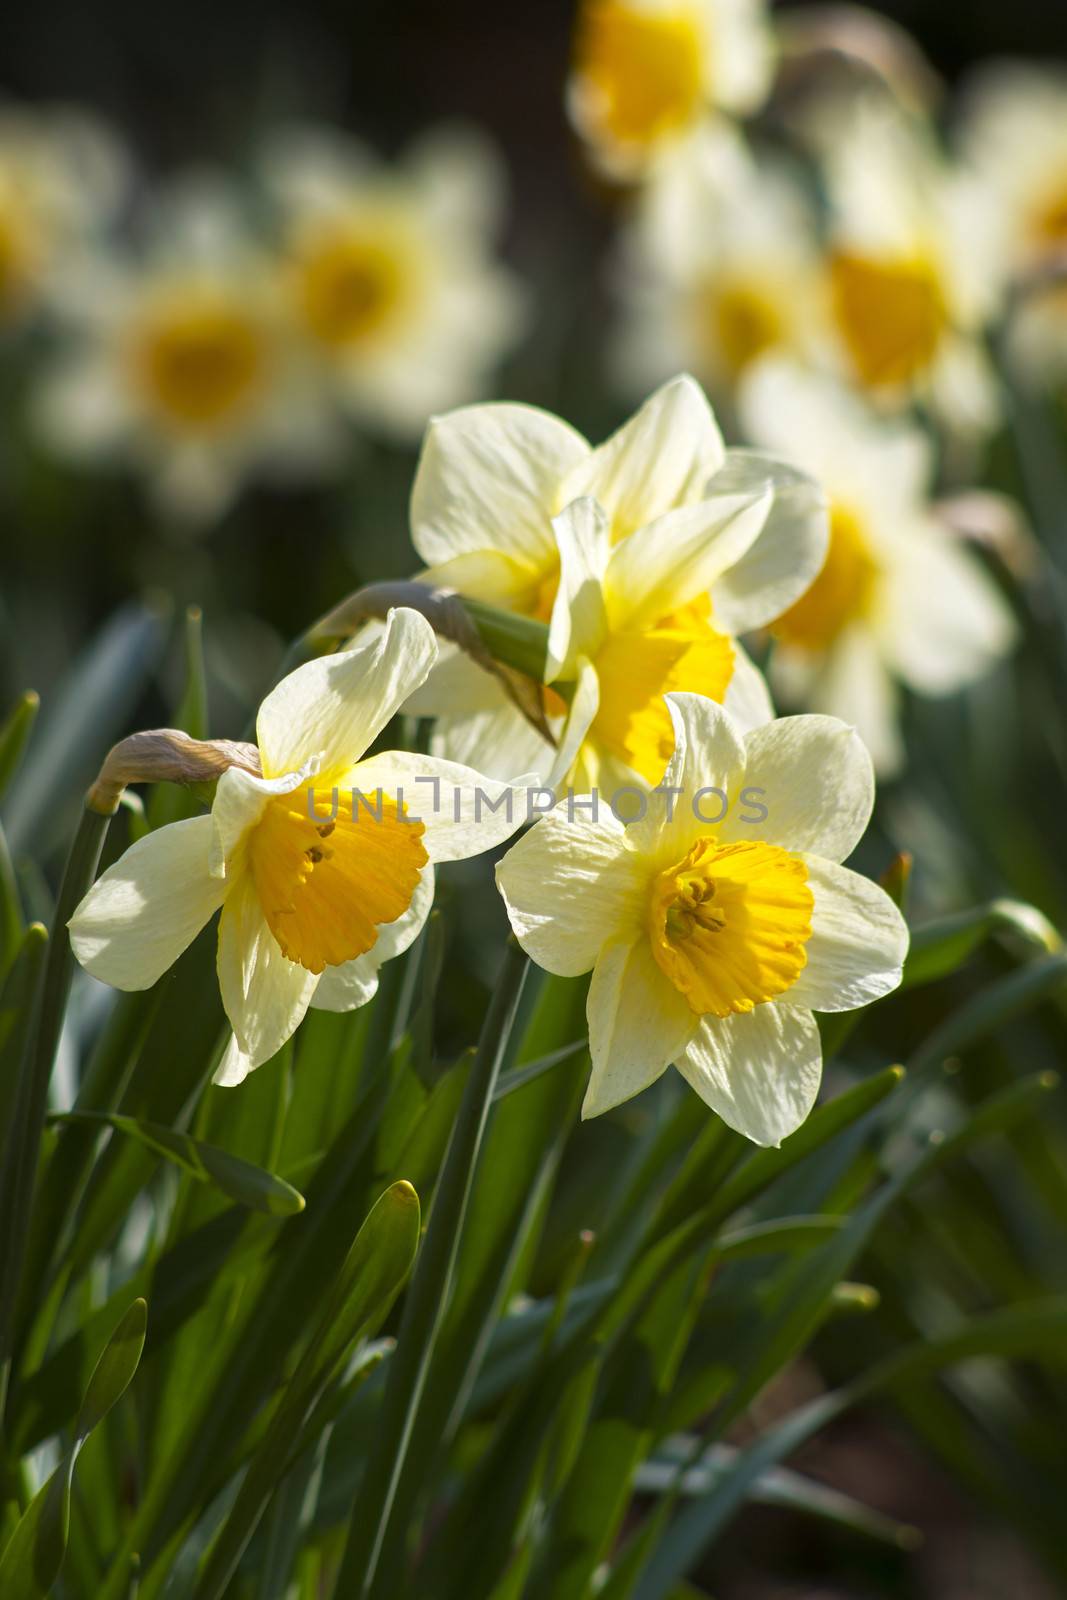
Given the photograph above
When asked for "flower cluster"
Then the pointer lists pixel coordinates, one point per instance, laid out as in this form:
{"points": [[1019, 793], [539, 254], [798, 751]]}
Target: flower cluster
{"points": [[229, 329]]}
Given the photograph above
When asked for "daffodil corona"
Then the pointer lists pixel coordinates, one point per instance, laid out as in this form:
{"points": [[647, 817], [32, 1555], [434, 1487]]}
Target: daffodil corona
{"points": [[321, 864], [647, 556], [713, 931]]}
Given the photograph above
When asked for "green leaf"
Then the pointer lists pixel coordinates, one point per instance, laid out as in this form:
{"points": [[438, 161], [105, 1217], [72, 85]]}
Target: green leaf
{"points": [[371, 1278], [33, 1558], [239, 1180], [14, 734], [989, 1010], [939, 948]]}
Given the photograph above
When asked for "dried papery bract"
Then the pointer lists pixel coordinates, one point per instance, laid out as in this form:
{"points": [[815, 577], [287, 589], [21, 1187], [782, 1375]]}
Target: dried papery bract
{"points": [[166, 755]]}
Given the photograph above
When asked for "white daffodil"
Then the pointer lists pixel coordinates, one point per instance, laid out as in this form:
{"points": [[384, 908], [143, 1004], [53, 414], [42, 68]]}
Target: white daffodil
{"points": [[717, 923], [62, 177], [720, 266], [1015, 135], [648, 73], [389, 272], [914, 269], [647, 556], [898, 598], [180, 361], [316, 887]]}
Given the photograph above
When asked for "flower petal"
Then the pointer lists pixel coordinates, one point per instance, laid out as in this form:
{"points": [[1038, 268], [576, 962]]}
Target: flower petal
{"points": [[334, 707], [638, 1025], [145, 910], [788, 552], [489, 478], [709, 754], [240, 799], [265, 995], [669, 562], [660, 459], [815, 779], [501, 741], [579, 618], [353, 984], [747, 698], [946, 621], [462, 812], [570, 885], [852, 682], [858, 941], [760, 1071]]}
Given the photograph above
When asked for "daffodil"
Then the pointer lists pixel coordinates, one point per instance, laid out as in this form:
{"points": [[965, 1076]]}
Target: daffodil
{"points": [[390, 276], [719, 267], [321, 862], [647, 73], [646, 556], [1015, 135], [178, 360], [913, 270], [898, 599], [717, 923], [62, 177]]}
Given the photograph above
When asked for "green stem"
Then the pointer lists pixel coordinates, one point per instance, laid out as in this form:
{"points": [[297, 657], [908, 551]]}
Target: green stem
{"points": [[427, 1297], [20, 1166]]}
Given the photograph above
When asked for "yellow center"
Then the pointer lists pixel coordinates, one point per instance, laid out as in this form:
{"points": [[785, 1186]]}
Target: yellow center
{"points": [[636, 669], [200, 360], [1050, 221], [728, 924], [890, 314], [843, 591], [349, 284], [741, 322], [327, 887], [643, 69]]}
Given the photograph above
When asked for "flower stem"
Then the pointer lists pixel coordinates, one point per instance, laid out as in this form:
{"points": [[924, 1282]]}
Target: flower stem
{"points": [[427, 1296]]}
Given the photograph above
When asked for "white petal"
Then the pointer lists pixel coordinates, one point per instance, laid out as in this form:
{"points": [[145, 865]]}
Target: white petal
{"points": [[759, 1072], [585, 701], [638, 1025], [570, 885], [747, 698], [787, 554], [456, 686], [815, 778], [668, 563], [579, 618], [947, 622], [709, 754], [240, 799], [858, 942], [463, 812], [489, 478], [853, 683], [490, 575], [501, 741], [353, 984], [142, 912], [264, 993], [659, 460], [334, 707]]}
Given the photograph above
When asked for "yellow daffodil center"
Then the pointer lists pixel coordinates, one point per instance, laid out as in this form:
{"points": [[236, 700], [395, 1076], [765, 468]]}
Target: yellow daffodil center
{"points": [[349, 283], [890, 314], [1050, 221], [200, 359], [636, 669], [729, 923], [843, 590], [642, 69], [327, 887], [16, 265], [742, 321]]}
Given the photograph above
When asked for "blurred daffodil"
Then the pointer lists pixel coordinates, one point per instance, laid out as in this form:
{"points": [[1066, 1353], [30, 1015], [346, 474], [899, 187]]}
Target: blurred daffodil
{"points": [[712, 942], [898, 598], [316, 889], [647, 73], [913, 270], [719, 267], [390, 276], [1015, 135], [646, 556], [62, 177], [180, 362]]}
